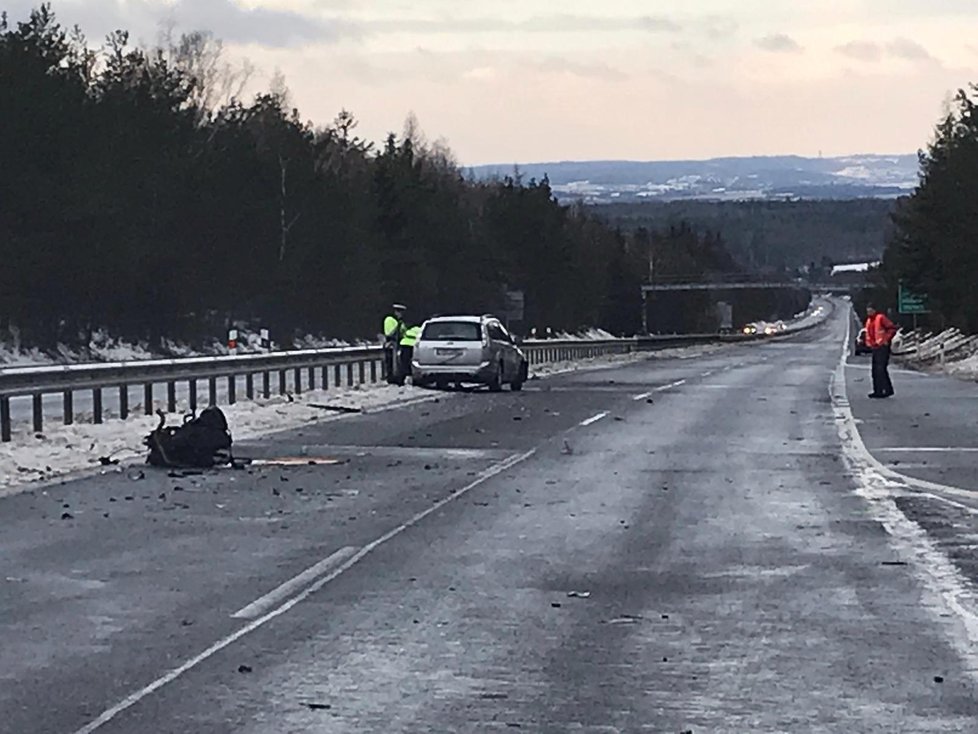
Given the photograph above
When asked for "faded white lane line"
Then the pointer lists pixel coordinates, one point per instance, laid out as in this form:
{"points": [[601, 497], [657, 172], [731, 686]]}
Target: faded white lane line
{"points": [[594, 419], [109, 714], [670, 386], [276, 595], [643, 396]]}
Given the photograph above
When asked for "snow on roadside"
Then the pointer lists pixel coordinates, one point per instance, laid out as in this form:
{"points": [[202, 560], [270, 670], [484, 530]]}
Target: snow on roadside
{"points": [[949, 352], [67, 449]]}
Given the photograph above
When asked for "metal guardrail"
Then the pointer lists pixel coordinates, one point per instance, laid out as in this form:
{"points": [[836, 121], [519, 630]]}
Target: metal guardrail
{"points": [[263, 374]]}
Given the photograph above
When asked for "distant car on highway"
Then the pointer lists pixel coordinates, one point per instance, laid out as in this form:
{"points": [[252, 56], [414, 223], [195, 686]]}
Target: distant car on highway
{"points": [[468, 349]]}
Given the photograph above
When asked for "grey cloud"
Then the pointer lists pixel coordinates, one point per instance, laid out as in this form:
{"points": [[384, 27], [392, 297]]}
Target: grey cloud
{"points": [[558, 65], [719, 27], [225, 18], [900, 48], [861, 50], [778, 43], [541, 24], [904, 48]]}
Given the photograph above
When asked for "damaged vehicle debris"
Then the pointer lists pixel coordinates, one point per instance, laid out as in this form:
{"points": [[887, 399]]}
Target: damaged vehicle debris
{"points": [[202, 441]]}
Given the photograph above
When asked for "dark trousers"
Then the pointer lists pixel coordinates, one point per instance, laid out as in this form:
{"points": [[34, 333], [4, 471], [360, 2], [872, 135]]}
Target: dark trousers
{"points": [[881, 377], [405, 354], [391, 363]]}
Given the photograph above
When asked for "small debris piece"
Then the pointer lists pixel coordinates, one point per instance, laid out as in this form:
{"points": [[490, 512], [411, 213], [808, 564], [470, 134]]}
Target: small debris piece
{"points": [[336, 408], [567, 449], [579, 594], [894, 563], [244, 668], [493, 696], [555, 604], [67, 516], [650, 401], [312, 706], [135, 475], [938, 678], [107, 461]]}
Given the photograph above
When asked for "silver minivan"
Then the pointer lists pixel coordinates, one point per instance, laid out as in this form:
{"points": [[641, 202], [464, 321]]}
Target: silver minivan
{"points": [[468, 349]]}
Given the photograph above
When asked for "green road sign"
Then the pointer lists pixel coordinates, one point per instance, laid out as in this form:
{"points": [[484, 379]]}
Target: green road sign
{"points": [[911, 303]]}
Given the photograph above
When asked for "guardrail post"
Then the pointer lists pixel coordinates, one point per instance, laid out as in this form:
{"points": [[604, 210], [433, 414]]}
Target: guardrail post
{"points": [[171, 397], [373, 371], [297, 380], [312, 378], [192, 394], [325, 377], [349, 375], [266, 385], [38, 412], [362, 372], [123, 401], [68, 408], [282, 387], [232, 390], [5, 419], [250, 386], [97, 405], [212, 391], [148, 398], [337, 380]]}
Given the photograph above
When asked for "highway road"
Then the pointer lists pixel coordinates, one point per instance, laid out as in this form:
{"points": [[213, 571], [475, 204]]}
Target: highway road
{"points": [[720, 544]]}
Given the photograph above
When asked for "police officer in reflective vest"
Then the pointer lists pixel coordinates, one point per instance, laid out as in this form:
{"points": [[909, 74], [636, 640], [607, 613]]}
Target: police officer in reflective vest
{"points": [[394, 329], [408, 341]]}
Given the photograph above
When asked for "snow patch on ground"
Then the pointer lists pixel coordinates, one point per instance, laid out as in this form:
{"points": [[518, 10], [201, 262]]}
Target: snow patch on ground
{"points": [[103, 347]]}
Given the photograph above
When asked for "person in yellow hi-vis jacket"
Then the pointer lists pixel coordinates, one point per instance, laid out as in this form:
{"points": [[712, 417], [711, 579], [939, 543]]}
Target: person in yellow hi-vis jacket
{"points": [[406, 351], [394, 329]]}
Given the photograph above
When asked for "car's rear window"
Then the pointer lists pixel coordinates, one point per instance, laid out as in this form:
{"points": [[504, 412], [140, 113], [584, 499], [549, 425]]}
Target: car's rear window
{"points": [[458, 331]]}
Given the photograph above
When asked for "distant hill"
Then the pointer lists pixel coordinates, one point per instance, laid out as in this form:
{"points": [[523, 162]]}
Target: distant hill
{"points": [[722, 179]]}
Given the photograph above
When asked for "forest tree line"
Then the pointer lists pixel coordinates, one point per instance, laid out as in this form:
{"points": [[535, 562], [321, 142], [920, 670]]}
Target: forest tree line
{"points": [[934, 248], [142, 194], [770, 235]]}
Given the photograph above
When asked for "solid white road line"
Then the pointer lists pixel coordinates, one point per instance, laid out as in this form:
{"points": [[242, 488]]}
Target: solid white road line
{"points": [[643, 396], [876, 484], [594, 419], [273, 597], [134, 698]]}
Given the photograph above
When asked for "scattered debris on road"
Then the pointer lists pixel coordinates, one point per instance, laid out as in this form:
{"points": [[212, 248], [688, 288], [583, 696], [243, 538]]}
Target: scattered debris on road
{"points": [[579, 594], [336, 408]]}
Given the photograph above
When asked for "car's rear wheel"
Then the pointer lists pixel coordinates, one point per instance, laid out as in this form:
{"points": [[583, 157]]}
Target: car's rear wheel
{"points": [[495, 383], [517, 384]]}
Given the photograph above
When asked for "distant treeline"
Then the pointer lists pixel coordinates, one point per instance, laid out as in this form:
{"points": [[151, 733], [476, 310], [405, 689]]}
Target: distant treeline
{"points": [[773, 235], [934, 248]]}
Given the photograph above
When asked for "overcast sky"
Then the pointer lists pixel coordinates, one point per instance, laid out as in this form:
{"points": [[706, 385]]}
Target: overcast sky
{"points": [[539, 80]]}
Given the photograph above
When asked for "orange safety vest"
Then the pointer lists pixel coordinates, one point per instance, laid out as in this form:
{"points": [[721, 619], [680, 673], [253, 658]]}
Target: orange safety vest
{"points": [[879, 331]]}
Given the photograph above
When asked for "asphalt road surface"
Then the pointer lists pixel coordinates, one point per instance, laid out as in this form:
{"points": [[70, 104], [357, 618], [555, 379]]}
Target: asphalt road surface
{"points": [[720, 544]]}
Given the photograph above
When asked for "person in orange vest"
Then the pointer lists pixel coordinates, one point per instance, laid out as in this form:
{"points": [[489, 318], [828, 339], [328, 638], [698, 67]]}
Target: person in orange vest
{"points": [[879, 334]]}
